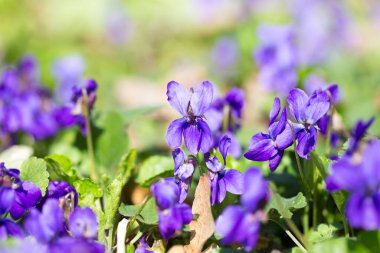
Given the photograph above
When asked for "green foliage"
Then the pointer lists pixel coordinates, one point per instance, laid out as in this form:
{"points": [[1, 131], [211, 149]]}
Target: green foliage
{"points": [[60, 168], [153, 168], [35, 170], [322, 233], [339, 245], [113, 190], [285, 206], [148, 214], [370, 239], [88, 192], [113, 141]]}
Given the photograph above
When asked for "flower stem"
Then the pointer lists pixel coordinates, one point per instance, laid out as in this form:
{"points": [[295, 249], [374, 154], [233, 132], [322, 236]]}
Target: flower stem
{"points": [[133, 219], [90, 145], [307, 191], [292, 237]]}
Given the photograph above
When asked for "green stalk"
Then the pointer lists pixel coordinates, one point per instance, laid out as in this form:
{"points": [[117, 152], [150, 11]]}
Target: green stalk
{"points": [[90, 146], [307, 191], [133, 219]]}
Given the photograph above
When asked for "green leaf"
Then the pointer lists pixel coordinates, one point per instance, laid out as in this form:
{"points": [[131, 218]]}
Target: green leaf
{"points": [[339, 245], [132, 115], [113, 141], [60, 168], [113, 190], [371, 239], [34, 170], [153, 168], [129, 248], [148, 215], [88, 191], [284, 206], [323, 232]]}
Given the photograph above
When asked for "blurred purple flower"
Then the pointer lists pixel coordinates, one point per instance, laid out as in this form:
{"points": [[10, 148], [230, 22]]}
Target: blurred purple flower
{"points": [[191, 104], [357, 135], [362, 180], [25, 105], [68, 73], [83, 223], [276, 58], [71, 113], [143, 246], [307, 111], [47, 224], [9, 228], [230, 106], [320, 25], [172, 215], [241, 224], [224, 56], [270, 147]]}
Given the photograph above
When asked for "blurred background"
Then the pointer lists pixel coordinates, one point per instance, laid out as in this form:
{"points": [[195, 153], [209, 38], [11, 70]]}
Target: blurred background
{"points": [[134, 48]]}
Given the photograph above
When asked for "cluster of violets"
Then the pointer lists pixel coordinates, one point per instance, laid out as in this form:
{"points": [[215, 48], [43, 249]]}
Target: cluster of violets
{"points": [[284, 50], [27, 107], [53, 223], [204, 128]]}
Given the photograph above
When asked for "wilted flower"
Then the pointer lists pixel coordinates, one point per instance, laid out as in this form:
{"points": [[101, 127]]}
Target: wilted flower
{"points": [[270, 147], [307, 111], [172, 215], [241, 224], [191, 104]]}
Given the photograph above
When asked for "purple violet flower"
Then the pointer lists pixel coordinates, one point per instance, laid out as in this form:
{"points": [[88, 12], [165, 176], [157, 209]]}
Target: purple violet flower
{"points": [[183, 172], [72, 113], [62, 191], [25, 194], [47, 224], [83, 223], [241, 224], [233, 104], [357, 135], [270, 147], [191, 104], [360, 176], [172, 215], [224, 56], [222, 180], [307, 111], [143, 246]]}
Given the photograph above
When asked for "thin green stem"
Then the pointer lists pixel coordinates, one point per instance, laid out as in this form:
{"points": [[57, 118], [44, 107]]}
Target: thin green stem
{"points": [[136, 238], [292, 237], [291, 224], [90, 145], [133, 219], [315, 205], [307, 191]]}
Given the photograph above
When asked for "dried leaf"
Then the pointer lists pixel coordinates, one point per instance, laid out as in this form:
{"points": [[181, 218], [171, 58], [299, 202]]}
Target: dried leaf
{"points": [[203, 227], [177, 249]]}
